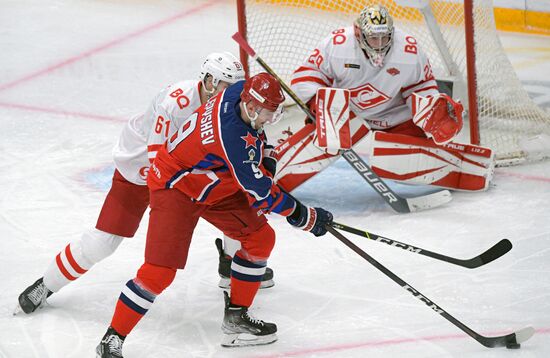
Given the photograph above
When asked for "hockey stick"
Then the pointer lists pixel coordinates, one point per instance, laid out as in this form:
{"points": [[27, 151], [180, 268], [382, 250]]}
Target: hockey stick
{"points": [[493, 253], [512, 340], [397, 202]]}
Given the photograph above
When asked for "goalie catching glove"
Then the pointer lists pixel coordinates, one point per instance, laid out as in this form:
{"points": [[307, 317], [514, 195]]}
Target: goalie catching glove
{"points": [[439, 116], [310, 219]]}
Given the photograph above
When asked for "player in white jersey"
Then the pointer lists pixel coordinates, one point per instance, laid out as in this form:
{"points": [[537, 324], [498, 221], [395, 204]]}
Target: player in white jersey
{"points": [[128, 197], [388, 92]]}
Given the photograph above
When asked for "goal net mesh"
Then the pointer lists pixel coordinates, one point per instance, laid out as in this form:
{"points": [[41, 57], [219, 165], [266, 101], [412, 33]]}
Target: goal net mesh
{"points": [[284, 32]]}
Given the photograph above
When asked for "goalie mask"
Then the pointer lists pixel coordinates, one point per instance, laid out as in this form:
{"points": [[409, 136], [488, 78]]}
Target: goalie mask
{"points": [[265, 92], [374, 32], [221, 66]]}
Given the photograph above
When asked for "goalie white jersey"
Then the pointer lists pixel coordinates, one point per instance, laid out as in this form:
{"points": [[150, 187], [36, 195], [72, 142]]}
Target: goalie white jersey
{"points": [[380, 95], [144, 134]]}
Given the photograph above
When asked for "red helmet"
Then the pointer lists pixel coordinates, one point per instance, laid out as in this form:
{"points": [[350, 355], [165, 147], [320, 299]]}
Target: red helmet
{"points": [[264, 90]]}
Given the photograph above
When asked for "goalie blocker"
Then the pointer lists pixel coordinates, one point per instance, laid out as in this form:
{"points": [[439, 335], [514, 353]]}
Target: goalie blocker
{"points": [[400, 157], [332, 116]]}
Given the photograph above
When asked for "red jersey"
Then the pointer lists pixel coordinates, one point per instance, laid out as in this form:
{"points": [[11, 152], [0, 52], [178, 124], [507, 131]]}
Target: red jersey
{"points": [[214, 154]]}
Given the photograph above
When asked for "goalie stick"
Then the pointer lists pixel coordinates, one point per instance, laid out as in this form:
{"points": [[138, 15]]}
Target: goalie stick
{"points": [[493, 253], [512, 340], [397, 202]]}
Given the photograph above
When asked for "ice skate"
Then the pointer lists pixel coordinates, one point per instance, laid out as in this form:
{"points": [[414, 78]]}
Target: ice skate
{"points": [[224, 270], [241, 330], [33, 297], [110, 345]]}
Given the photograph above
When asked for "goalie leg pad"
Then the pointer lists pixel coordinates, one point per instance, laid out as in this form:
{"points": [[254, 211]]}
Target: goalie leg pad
{"points": [[419, 161], [333, 119], [300, 158]]}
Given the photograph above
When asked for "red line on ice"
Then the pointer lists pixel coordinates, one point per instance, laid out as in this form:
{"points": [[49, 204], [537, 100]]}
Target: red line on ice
{"points": [[524, 176], [390, 342], [107, 45], [60, 112]]}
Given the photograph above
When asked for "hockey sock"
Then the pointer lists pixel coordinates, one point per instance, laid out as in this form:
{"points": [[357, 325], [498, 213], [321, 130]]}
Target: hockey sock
{"points": [[132, 305], [78, 257], [139, 294], [246, 277], [230, 246]]}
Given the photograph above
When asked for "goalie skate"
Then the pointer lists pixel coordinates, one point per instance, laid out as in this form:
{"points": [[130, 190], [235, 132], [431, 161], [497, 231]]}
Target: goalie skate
{"points": [[224, 270], [241, 330]]}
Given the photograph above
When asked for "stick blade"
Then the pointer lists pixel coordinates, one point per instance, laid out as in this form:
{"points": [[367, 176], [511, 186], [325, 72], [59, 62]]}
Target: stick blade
{"points": [[510, 341], [524, 334], [502, 247], [429, 201], [493, 253], [239, 38]]}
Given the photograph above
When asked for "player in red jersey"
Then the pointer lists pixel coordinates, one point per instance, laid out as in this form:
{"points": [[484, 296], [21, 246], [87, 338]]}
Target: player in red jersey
{"points": [[212, 168], [125, 204]]}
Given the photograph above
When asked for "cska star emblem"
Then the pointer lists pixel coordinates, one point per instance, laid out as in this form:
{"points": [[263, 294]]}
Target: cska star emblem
{"points": [[250, 140]]}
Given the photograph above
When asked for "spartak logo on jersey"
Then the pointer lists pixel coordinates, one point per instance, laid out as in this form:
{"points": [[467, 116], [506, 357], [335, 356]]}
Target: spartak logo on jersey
{"points": [[143, 171], [393, 71], [366, 96]]}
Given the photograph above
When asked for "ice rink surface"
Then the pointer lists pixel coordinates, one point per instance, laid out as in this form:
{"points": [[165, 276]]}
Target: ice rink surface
{"points": [[71, 74]]}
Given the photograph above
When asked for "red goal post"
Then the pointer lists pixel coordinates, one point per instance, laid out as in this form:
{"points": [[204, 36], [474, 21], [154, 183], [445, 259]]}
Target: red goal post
{"points": [[460, 39]]}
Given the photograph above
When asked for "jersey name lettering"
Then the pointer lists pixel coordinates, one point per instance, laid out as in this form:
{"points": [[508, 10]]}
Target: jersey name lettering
{"points": [[207, 133]]}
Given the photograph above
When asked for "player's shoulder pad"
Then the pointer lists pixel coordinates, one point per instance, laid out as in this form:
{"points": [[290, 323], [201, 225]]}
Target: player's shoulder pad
{"points": [[229, 100], [407, 48], [339, 43], [178, 95], [241, 143]]}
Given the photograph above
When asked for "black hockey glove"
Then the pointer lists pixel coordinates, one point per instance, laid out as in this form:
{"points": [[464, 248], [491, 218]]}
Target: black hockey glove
{"points": [[310, 219], [269, 160]]}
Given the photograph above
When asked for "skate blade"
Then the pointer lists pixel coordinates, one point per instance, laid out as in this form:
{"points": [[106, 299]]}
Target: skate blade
{"points": [[225, 283], [267, 284], [246, 339], [98, 351], [18, 310]]}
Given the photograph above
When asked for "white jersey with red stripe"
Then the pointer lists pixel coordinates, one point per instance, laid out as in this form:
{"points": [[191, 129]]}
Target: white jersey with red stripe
{"points": [[379, 95], [144, 134]]}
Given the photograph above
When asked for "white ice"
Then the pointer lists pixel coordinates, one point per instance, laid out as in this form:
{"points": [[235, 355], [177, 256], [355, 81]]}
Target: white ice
{"points": [[71, 73]]}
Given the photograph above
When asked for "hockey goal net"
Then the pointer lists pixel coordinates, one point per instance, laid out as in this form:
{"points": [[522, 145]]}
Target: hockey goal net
{"points": [[284, 32]]}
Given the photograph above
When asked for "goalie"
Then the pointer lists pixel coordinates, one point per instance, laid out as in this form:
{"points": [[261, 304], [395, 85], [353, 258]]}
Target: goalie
{"points": [[371, 80]]}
